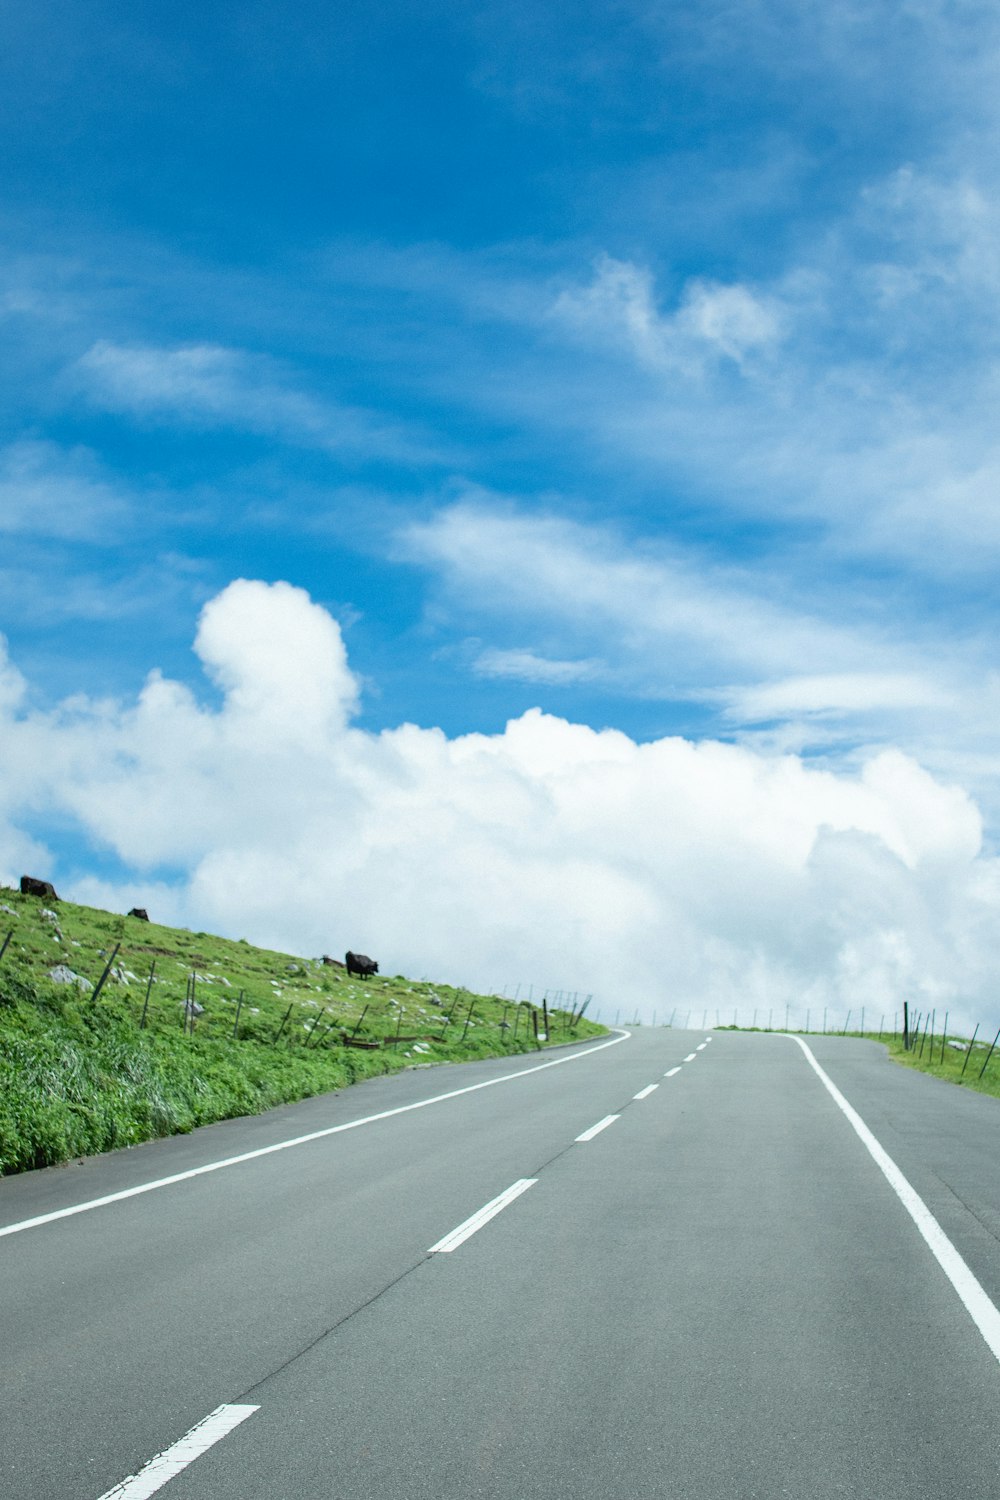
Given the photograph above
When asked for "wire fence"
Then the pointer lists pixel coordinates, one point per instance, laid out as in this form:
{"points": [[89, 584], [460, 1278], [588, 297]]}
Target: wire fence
{"points": [[919, 1031]]}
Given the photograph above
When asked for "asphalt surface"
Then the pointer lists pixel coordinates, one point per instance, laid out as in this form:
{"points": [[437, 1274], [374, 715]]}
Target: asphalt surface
{"points": [[716, 1297]]}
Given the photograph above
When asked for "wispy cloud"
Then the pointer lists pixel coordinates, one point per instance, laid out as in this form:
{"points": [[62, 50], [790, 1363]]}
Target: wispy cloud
{"points": [[763, 663], [49, 491], [712, 320], [840, 693], [141, 592], [207, 385], [527, 666], [685, 620]]}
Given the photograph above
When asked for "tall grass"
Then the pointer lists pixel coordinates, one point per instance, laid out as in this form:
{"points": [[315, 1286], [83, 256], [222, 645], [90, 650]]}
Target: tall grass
{"points": [[73, 1084]]}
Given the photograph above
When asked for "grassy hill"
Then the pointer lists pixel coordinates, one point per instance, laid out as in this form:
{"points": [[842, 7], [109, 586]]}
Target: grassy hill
{"points": [[86, 1067]]}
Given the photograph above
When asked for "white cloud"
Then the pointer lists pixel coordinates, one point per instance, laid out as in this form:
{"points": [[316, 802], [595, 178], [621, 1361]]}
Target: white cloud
{"points": [[685, 622], [527, 666], [731, 317], [48, 491], [12, 685], [279, 660], [868, 372], [841, 692], [210, 385], [661, 874], [712, 319]]}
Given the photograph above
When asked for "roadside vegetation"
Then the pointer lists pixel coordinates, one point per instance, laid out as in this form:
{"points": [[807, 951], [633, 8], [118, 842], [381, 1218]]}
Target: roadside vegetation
{"points": [[188, 1028], [973, 1066], [972, 1063]]}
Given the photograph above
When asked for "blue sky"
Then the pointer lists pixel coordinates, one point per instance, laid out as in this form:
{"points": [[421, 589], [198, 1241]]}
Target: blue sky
{"points": [[633, 361]]}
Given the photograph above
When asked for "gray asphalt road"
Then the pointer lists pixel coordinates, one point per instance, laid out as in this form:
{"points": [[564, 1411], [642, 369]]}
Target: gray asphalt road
{"points": [[718, 1295]]}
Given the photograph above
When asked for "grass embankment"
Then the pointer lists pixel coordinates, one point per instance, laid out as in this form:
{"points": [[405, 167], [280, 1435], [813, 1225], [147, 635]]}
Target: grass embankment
{"points": [[80, 1075], [956, 1056], [961, 1063]]}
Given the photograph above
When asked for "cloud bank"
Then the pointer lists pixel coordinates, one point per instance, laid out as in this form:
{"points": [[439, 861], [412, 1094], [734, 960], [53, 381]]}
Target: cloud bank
{"points": [[658, 875]]}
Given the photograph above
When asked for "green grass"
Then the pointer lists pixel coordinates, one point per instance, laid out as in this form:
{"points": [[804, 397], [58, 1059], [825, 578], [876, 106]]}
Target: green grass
{"points": [[950, 1067], [79, 1075]]}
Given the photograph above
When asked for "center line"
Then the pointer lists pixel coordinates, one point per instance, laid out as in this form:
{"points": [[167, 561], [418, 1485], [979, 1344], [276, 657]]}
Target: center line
{"points": [[154, 1475], [672, 1072], [588, 1135], [301, 1140], [701, 1046], [691, 1057], [645, 1093], [482, 1216]]}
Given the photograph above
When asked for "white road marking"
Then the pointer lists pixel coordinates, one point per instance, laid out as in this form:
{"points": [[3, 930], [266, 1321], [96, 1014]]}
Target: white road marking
{"points": [[672, 1072], [701, 1046], [691, 1057], [707, 1040], [476, 1221], [588, 1135], [299, 1140], [154, 1475], [982, 1311], [645, 1093]]}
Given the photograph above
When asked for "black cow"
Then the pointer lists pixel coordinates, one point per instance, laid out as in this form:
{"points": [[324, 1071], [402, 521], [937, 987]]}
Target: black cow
{"points": [[32, 887], [140, 912], [361, 964]]}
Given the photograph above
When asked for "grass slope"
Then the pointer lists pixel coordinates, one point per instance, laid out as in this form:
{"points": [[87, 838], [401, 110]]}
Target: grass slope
{"points": [[974, 1066], [80, 1075], [956, 1056]]}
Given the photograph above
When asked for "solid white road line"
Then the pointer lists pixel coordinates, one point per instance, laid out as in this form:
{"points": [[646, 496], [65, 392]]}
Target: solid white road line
{"points": [[588, 1135], [672, 1072], [172, 1460], [299, 1140], [691, 1057], [645, 1093], [978, 1305], [476, 1221]]}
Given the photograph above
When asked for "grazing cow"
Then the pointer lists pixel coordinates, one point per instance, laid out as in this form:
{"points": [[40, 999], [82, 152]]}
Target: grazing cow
{"points": [[32, 887], [333, 963], [140, 912], [361, 964]]}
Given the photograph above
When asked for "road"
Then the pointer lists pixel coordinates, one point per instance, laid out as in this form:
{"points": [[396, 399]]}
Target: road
{"points": [[717, 1295]]}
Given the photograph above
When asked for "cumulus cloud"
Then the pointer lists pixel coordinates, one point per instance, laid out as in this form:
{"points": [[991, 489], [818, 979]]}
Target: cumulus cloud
{"points": [[669, 874]]}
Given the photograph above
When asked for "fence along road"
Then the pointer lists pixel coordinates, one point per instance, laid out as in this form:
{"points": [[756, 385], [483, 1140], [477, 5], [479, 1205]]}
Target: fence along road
{"points": [[716, 1293]]}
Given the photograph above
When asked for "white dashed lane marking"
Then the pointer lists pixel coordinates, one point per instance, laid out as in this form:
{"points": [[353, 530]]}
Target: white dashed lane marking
{"points": [[302, 1140], [645, 1093], [482, 1216], [154, 1475], [588, 1135], [672, 1072], [691, 1057]]}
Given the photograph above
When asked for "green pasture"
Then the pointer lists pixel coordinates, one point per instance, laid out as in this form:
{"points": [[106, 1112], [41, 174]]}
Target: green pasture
{"points": [[81, 1074]]}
